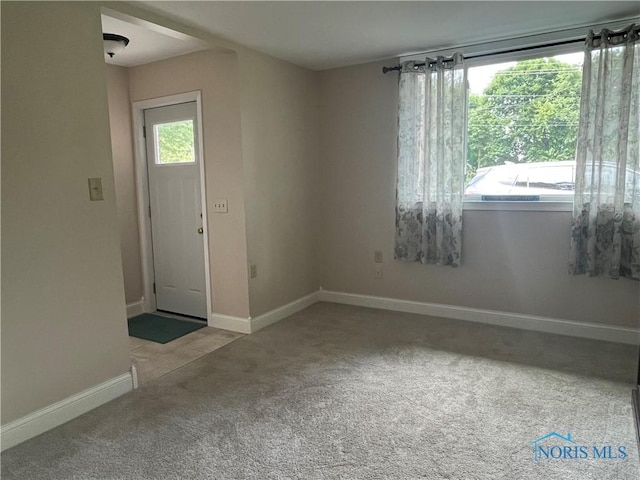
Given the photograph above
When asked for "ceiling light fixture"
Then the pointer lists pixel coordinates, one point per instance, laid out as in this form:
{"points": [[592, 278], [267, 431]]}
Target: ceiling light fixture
{"points": [[114, 43]]}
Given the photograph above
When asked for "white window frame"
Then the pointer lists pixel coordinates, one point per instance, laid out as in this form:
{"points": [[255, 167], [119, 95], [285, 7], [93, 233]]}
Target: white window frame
{"points": [[492, 51]]}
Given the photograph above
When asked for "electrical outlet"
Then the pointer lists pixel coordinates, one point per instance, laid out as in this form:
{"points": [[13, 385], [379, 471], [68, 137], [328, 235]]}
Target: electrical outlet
{"points": [[378, 275], [377, 256], [254, 271], [220, 205]]}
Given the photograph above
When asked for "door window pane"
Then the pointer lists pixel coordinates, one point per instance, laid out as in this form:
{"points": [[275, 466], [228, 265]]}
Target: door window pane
{"points": [[175, 142]]}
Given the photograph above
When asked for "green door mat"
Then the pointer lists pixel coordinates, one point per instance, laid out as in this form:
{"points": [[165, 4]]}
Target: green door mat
{"points": [[160, 329]]}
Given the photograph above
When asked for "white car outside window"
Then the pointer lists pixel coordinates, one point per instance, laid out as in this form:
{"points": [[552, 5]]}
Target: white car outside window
{"points": [[542, 178]]}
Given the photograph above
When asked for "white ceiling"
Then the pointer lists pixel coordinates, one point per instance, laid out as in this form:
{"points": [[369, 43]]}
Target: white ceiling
{"points": [[147, 42], [327, 34]]}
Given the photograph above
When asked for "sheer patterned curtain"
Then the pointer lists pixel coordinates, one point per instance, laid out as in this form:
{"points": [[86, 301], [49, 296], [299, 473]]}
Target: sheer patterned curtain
{"points": [[431, 161], [605, 237]]}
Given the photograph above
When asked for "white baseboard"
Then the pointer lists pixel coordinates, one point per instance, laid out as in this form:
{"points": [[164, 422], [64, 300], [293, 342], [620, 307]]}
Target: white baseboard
{"points": [[594, 331], [284, 311], [227, 322], [608, 333], [136, 308], [134, 377], [61, 412], [250, 325]]}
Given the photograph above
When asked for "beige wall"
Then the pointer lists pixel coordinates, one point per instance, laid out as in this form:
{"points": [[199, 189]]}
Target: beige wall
{"points": [[267, 166], [125, 180], [216, 75], [63, 317], [317, 204], [512, 261], [280, 150]]}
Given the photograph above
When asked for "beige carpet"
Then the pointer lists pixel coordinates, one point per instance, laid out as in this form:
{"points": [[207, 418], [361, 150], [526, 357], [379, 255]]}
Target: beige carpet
{"points": [[338, 392]]}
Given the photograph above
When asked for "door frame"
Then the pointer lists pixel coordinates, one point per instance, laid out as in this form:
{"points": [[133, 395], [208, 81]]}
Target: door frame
{"points": [[142, 190]]}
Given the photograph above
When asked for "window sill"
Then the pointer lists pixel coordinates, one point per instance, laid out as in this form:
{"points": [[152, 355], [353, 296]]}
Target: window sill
{"points": [[539, 206]]}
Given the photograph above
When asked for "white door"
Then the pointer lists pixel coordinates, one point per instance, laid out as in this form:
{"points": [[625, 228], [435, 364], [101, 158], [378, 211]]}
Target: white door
{"points": [[173, 164]]}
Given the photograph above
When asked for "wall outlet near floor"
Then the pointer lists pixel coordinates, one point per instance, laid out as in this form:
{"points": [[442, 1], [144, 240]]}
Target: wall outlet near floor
{"points": [[377, 256], [254, 271], [378, 274], [220, 205]]}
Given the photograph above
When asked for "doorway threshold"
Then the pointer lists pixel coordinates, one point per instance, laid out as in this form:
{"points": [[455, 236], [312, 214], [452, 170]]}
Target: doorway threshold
{"points": [[153, 360]]}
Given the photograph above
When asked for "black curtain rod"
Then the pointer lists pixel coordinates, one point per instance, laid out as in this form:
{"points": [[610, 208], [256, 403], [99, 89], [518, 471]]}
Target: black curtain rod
{"points": [[513, 50]]}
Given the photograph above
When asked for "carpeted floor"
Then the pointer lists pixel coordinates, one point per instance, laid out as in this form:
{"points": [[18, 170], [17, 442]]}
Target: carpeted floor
{"points": [[339, 392]]}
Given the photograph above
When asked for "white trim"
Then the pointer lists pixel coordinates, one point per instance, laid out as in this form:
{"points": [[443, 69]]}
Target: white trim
{"points": [[251, 325], [135, 308], [205, 217], [284, 311], [228, 322], [142, 189], [594, 331], [61, 412], [134, 377]]}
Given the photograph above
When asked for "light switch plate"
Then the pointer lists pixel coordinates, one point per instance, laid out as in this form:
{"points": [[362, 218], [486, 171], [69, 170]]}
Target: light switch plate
{"points": [[220, 205], [95, 189]]}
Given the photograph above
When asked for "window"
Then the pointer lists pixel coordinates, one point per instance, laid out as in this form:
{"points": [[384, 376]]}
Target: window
{"points": [[522, 128], [175, 142]]}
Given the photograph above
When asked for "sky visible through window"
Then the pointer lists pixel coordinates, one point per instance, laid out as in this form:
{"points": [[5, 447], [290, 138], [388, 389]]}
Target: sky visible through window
{"points": [[479, 77]]}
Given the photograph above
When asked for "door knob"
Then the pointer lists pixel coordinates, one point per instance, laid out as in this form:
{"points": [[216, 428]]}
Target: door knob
{"points": [[200, 231]]}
